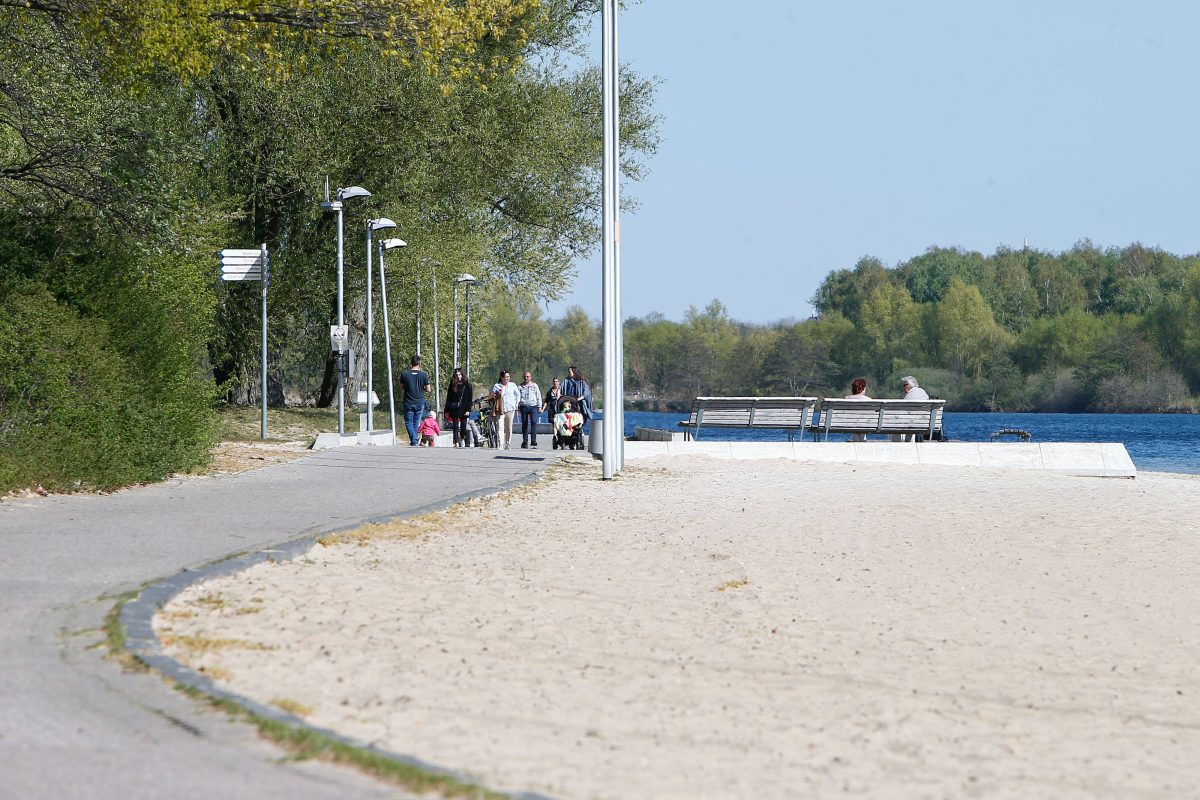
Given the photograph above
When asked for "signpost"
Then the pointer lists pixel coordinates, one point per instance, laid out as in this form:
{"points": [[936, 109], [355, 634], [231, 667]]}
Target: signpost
{"points": [[252, 264]]}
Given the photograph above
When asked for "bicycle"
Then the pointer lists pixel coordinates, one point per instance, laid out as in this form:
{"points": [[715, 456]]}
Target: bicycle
{"points": [[489, 422]]}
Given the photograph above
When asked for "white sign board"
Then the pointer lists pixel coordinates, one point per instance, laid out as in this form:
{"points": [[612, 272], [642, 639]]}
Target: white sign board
{"points": [[339, 337], [241, 264]]}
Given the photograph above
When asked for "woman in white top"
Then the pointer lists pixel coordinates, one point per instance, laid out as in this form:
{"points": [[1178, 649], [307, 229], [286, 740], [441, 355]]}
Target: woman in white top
{"points": [[859, 387], [507, 397]]}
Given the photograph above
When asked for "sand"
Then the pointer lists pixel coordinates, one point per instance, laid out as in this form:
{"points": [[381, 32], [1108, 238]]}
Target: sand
{"points": [[763, 629]]}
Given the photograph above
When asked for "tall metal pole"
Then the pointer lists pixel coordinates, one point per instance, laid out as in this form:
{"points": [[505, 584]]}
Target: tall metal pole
{"points": [[468, 332], [437, 372], [387, 343], [615, 131], [613, 440], [341, 322], [266, 279], [455, 364], [370, 337], [418, 350]]}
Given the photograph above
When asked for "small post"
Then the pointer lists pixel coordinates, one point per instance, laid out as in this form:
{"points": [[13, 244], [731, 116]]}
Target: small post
{"points": [[266, 280]]}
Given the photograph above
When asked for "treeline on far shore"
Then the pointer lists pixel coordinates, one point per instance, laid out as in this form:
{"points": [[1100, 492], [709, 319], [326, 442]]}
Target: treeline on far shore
{"points": [[1089, 329]]}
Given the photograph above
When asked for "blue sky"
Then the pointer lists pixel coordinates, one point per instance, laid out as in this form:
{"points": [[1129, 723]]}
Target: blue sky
{"points": [[800, 136]]}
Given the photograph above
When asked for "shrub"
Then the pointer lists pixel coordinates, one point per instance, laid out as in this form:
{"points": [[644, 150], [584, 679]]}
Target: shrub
{"points": [[77, 409]]}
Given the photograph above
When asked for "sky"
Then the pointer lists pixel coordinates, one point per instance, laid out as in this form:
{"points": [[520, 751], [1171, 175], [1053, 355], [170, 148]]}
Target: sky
{"points": [[800, 136]]}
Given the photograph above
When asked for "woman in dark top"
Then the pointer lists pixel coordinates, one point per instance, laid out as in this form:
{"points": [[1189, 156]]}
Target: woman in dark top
{"points": [[550, 404], [577, 386], [458, 406]]}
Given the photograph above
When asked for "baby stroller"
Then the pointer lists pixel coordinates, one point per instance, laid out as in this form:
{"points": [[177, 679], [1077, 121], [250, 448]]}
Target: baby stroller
{"points": [[568, 425]]}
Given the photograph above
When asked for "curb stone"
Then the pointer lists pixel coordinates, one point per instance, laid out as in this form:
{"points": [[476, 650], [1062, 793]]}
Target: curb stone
{"points": [[136, 619]]}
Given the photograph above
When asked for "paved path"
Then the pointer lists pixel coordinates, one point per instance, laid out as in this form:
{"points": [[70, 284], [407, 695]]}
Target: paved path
{"points": [[72, 724]]}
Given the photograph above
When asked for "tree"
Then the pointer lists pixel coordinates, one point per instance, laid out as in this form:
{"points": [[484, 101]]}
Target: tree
{"points": [[190, 38], [966, 330], [889, 324], [928, 276]]}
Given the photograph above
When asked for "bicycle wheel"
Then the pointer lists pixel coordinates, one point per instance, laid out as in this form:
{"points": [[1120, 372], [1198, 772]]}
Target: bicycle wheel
{"points": [[493, 433]]}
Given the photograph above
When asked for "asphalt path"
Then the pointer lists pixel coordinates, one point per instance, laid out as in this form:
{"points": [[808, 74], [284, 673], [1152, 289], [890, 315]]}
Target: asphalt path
{"points": [[73, 724]]}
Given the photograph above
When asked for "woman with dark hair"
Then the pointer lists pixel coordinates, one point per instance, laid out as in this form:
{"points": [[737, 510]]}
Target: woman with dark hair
{"points": [[458, 407], [550, 402], [577, 386], [507, 397], [858, 389]]}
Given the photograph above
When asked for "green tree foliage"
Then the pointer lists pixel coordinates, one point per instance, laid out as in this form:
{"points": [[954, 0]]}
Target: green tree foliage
{"points": [[138, 139], [191, 38]]}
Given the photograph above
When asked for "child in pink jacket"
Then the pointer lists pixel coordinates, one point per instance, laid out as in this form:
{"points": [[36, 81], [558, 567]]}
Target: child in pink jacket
{"points": [[429, 430]]}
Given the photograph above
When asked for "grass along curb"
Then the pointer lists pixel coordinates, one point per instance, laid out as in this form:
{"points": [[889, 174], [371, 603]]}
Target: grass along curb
{"points": [[131, 639]]}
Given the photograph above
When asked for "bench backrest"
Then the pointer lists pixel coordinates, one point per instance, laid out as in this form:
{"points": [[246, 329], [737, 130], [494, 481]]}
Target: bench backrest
{"points": [[883, 416], [752, 412]]}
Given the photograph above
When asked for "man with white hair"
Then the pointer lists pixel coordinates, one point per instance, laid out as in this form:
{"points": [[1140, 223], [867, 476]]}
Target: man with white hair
{"points": [[912, 391]]}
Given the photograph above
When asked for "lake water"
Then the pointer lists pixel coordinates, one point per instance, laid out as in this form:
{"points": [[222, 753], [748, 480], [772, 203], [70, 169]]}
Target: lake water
{"points": [[1156, 442]]}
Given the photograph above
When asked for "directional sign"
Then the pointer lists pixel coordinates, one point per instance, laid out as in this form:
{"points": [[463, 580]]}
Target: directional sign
{"points": [[242, 264]]}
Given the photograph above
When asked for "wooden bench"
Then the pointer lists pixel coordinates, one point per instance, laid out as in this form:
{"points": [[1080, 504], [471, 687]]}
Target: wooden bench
{"points": [[912, 418], [791, 414]]}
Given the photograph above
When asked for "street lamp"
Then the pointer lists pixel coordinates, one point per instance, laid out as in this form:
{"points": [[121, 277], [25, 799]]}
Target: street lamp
{"points": [[335, 206], [469, 280], [372, 226], [388, 244]]}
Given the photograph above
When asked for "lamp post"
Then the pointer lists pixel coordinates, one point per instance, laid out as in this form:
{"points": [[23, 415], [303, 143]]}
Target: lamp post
{"points": [[335, 206], [469, 280], [612, 434], [388, 244], [437, 371], [372, 226], [469, 285]]}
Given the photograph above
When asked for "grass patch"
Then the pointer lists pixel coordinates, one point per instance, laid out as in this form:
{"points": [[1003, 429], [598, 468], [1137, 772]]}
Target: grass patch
{"points": [[203, 644], [114, 635], [292, 706], [244, 423], [734, 584], [304, 744]]}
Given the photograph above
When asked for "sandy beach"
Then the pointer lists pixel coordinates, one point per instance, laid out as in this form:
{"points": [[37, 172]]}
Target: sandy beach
{"points": [[759, 629]]}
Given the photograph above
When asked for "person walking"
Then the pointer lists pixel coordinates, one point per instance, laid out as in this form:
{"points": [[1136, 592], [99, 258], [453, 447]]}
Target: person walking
{"points": [[577, 387], [530, 409], [416, 384], [507, 398], [550, 402], [458, 407]]}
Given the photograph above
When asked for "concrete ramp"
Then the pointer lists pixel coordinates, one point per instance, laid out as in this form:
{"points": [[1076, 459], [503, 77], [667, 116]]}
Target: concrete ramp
{"points": [[1095, 459]]}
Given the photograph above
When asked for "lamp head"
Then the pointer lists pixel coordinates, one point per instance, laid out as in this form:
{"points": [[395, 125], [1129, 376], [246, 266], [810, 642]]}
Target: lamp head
{"points": [[465, 278], [388, 244], [381, 223], [352, 191]]}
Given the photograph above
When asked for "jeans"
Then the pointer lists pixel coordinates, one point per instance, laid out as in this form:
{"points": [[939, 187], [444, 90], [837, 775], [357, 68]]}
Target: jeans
{"points": [[412, 418], [529, 420]]}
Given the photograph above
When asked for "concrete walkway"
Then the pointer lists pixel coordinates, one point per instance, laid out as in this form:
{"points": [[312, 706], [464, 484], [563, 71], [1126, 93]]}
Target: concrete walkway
{"points": [[72, 724]]}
